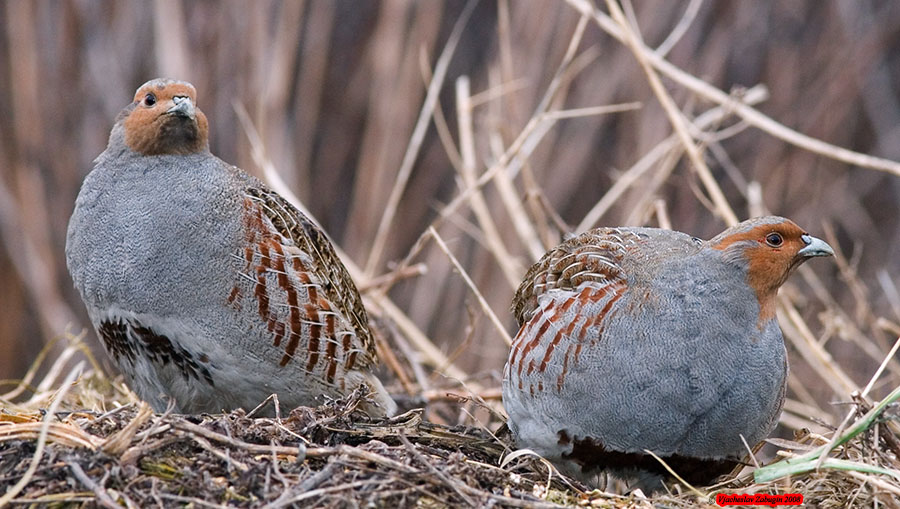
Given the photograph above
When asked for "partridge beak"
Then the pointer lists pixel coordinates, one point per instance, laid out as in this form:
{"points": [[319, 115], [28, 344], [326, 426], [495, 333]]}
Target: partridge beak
{"points": [[814, 247], [184, 107]]}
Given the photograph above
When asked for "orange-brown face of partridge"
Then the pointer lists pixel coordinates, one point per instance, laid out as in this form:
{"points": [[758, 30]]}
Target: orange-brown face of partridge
{"points": [[164, 119], [771, 251]]}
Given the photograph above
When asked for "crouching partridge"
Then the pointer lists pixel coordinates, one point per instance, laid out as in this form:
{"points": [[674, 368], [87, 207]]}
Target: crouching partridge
{"points": [[207, 288], [637, 339]]}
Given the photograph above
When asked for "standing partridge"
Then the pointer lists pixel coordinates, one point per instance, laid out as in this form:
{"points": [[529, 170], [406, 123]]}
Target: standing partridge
{"points": [[207, 288], [637, 339]]}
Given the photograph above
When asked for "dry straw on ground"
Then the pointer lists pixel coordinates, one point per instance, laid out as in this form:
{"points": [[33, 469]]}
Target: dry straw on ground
{"points": [[90, 442], [54, 451]]}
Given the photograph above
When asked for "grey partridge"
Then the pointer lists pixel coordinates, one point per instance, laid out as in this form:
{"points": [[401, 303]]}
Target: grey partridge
{"points": [[637, 339], [207, 288]]}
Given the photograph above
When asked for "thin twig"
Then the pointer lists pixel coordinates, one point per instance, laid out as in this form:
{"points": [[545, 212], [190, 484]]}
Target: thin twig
{"points": [[647, 162], [751, 115], [310, 483], [834, 439], [531, 134], [42, 437], [415, 141], [453, 483], [481, 300], [100, 492], [681, 28], [312, 452], [633, 40]]}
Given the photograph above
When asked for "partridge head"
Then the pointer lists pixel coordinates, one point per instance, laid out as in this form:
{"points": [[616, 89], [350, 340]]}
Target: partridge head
{"points": [[208, 289], [636, 339]]}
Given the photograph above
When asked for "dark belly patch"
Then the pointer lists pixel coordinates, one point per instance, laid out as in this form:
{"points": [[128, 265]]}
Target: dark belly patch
{"points": [[591, 455], [129, 338]]}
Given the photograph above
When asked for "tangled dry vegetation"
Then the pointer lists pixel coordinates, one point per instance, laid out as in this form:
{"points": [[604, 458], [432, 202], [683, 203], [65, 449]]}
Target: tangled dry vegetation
{"points": [[55, 451], [75, 436]]}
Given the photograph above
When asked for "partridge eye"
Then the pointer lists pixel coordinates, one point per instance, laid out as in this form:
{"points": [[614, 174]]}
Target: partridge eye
{"points": [[149, 100], [774, 240]]}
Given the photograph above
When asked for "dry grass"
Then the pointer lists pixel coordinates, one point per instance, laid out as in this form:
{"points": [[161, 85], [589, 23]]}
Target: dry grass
{"points": [[544, 116], [88, 440]]}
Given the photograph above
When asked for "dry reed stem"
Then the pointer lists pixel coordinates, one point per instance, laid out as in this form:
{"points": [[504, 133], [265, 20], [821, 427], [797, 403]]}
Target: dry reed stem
{"points": [[662, 215], [415, 142], [646, 162], [875, 481], [804, 412], [812, 352], [386, 355], [512, 270], [524, 227], [509, 195], [590, 111], [750, 115], [496, 92], [681, 28], [890, 291], [837, 318], [45, 388], [385, 281], [432, 354], [531, 134], [633, 40], [881, 367], [462, 272], [25, 383], [65, 434], [440, 122], [262, 161]]}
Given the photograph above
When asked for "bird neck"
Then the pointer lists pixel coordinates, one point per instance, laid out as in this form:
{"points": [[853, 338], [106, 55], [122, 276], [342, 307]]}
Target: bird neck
{"points": [[763, 274], [766, 306], [170, 135]]}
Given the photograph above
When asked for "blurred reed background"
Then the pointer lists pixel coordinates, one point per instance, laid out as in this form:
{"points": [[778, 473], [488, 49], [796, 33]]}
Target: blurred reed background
{"points": [[335, 90]]}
